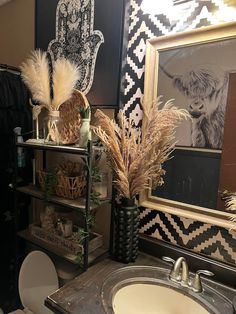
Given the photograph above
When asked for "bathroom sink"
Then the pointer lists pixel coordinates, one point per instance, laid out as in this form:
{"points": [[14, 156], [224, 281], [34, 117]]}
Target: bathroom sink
{"points": [[150, 298], [148, 290]]}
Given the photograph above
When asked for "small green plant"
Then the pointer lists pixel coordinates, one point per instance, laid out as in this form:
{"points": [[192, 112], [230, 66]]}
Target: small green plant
{"points": [[49, 184], [79, 259], [96, 174], [85, 112], [90, 220], [96, 177], [82, 235], [95, 197]]}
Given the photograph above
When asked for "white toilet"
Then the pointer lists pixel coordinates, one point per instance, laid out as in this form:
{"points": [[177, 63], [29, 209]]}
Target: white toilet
{"points": [[37, 280]]}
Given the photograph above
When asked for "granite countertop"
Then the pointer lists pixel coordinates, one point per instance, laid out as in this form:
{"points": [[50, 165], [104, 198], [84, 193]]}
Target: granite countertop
{"points": [[83, 294]]}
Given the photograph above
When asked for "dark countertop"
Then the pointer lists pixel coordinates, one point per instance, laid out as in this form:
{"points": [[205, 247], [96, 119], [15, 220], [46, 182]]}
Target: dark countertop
{"points": [[83, 294]]}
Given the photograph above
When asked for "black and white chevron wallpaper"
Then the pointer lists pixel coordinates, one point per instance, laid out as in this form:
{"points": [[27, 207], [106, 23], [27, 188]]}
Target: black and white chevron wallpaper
{"points": [[203, 238]]}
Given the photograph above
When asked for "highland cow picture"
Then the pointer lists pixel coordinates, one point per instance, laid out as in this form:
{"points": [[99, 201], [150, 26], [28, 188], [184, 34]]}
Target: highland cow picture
{"points": [[196, 78]]}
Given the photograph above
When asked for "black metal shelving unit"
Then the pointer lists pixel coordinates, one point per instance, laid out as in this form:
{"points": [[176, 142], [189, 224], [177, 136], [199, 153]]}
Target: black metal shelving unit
{"points": [[83, 206]]}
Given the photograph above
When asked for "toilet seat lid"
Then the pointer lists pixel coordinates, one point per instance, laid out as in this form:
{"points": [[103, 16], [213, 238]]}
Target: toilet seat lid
{"points": [[37, 280]]}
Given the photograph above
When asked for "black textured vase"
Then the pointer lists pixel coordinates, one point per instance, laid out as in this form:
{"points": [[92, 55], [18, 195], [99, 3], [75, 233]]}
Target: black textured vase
{"points": [[126, 231]]}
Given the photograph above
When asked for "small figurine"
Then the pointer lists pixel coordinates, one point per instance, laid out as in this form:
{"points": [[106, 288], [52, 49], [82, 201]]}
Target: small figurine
{"points": [[48, 218]]}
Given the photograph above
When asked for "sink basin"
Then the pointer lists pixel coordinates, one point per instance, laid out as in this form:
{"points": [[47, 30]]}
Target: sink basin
{"points": [[152, 299], [148, 290]]}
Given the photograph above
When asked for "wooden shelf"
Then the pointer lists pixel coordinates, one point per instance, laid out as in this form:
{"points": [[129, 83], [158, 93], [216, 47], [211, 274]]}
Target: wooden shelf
{"points": [[56, 148], [26, 235], [78, 204]]}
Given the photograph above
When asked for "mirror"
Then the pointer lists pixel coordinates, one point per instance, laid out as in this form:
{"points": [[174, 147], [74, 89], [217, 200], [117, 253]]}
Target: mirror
{"points": [[196, 68]]}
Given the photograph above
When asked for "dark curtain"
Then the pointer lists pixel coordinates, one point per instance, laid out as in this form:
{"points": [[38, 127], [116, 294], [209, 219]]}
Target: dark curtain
{"points": [[14, 111]]}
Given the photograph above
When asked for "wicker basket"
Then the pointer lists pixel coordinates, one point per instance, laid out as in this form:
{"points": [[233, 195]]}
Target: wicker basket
{"points": [[67, 244], [70, 117], [67, 187], [70, 187]]}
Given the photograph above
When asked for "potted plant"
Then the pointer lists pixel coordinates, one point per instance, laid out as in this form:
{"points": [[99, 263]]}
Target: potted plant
{"points": [[135, 158]]}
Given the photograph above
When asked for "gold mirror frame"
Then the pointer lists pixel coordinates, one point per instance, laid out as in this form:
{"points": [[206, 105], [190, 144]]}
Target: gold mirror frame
{"points": [[154, 46]]}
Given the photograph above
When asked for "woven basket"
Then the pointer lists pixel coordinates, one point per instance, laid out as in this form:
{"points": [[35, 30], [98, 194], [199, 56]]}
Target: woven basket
{"points": [[67, 187], [70, 117]]}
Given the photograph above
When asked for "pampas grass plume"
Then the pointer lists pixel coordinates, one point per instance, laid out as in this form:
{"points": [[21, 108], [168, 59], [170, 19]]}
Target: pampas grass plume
{"points": [[65, 76], [35, 74], [136, 157]]}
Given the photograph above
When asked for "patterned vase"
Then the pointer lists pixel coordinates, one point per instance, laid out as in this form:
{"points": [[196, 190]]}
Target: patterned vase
{"points": [[126, 231]]}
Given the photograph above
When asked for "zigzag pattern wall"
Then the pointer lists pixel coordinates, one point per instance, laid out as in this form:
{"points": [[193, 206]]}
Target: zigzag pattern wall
{"points": [[199, 237]]}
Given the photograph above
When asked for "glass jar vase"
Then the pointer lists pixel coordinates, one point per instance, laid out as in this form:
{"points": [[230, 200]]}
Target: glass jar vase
{"points": [[52, 127]]}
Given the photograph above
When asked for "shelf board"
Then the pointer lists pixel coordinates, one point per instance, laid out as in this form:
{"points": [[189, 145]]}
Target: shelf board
{"points": [[78, 204], [26, 235], [56, 148]]}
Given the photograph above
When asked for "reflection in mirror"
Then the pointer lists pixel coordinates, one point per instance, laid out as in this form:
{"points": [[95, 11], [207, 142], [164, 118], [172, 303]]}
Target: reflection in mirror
{"points": [[196, 69], [191, 177], [197, 78]]}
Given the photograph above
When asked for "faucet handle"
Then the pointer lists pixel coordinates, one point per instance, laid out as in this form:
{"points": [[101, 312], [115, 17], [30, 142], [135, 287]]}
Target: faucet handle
{"points": [[204, 272], [168, 259], [196, 283]]}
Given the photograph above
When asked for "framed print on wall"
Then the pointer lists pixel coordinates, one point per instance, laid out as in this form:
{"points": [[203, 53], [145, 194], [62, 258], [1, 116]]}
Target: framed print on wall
{"points": [[197, 77], [90, 33]]}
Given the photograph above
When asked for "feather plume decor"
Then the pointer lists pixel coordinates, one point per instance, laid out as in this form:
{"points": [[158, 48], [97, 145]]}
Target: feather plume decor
{"points": [[36, 76], [136, 156], [65, 76]]}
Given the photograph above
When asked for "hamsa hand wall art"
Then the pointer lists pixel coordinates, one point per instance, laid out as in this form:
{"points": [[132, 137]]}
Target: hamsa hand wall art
{"points": [[76, 38]]}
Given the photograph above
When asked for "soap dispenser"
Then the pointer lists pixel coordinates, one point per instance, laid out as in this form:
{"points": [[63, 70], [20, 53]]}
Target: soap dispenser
{"points": [[20, 150]]}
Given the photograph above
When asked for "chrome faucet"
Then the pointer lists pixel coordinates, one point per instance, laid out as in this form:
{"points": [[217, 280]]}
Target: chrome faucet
{"points": [[196, 282], [180, 271], [177, 275]]}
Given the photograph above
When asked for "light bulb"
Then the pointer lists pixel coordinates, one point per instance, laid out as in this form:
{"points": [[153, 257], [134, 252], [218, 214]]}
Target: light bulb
{"points": [[156, 7]]}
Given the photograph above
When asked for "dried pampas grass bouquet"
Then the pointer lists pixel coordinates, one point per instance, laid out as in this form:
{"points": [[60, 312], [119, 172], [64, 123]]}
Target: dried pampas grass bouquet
{"points": [[50, 88], [36, 75], [137, 156]]}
